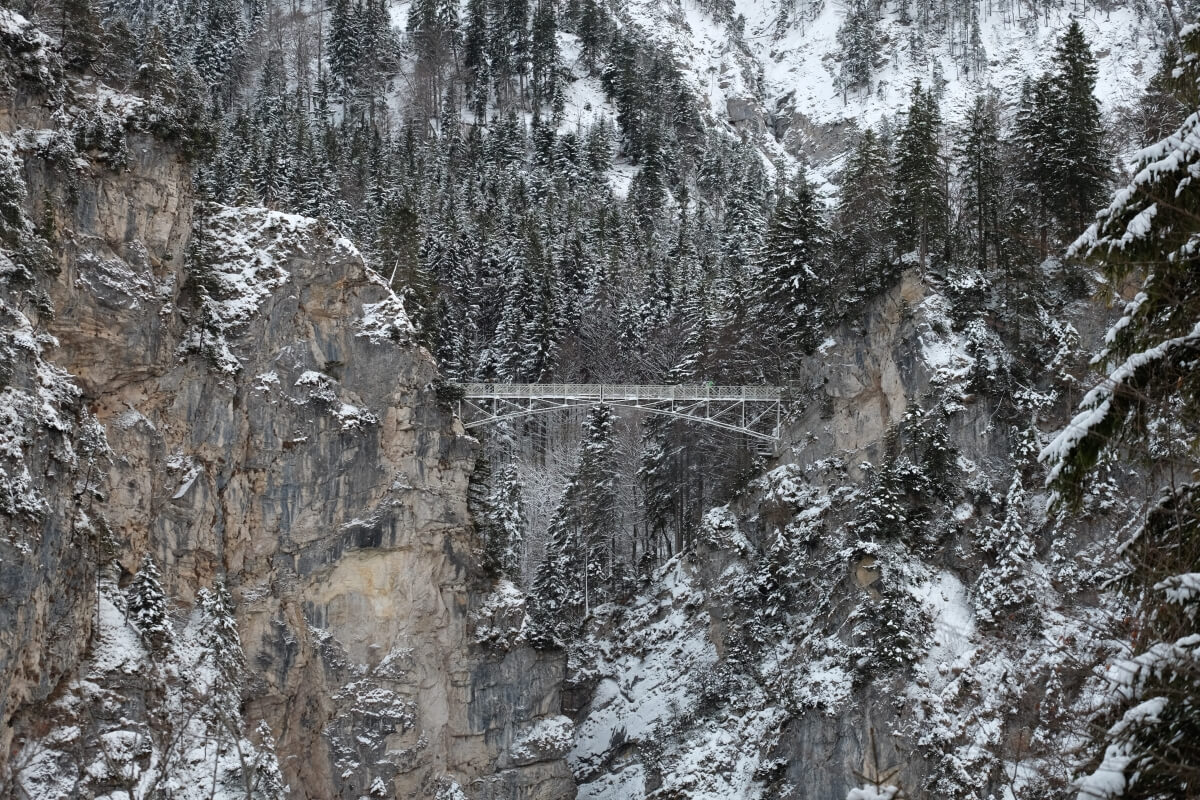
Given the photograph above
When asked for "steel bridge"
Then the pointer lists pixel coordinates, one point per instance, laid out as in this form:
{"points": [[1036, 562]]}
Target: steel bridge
{"points": [[749, 410]]}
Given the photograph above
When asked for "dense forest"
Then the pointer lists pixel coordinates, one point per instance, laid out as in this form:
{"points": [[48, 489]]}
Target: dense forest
{"points": [[536, 240]]}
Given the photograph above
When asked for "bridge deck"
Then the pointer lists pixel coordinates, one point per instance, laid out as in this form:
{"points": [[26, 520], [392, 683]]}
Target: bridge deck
{"points": [[618, 392]]}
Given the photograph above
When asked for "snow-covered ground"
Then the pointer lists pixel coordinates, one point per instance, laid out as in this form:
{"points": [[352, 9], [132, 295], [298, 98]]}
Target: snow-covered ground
{"points": [[780, 70]]}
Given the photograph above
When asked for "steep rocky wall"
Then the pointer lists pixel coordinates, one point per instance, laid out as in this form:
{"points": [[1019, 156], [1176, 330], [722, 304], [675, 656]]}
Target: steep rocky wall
{"points": [[269, 422]]}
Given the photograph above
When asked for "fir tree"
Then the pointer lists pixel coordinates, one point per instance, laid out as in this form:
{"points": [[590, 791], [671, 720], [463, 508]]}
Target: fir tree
{"points": [[577, 571], [1082, 167], [591, 32], [545, 55], [795, 284], [862, 217], [508, 512], [222, 645], [980, 170], [919, 203], [80, 34], [148, 604], [1004, 585], [343, 43], [1149, 232], [859, 42]]}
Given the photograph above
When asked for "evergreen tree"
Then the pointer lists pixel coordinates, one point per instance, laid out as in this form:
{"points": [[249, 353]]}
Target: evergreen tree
{"points": [[343, 43], [148, 604], [1061, 142], [858, 39], [80, 34], [1004, 585], [156, 73], [508, 511], [1082, 167], [475, 60], [796, 287], [981, 171], [1036, 130], [545, 55], [660, 490], [862, 217], [1150, 402], [919, 203], [578, 569], [222, 645], [591, 32], [221, 42]]}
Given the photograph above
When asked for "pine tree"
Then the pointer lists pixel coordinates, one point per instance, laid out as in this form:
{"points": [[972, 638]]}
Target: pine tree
{"points": [[660, 490], [1034, 142], [591, 32], [80, 34], [343, 44], [475, 57], [545, 55], [222, 644], [221, 43], [148, 604], [858, 39], [433, 29], [1149, 232], [578, 569], [508, 509], [1063, 160], [796, 290], [1004, 585], [862, 217], [919, 203], [156, 73], [1163, 107], [1082, 166], [980, 169]]}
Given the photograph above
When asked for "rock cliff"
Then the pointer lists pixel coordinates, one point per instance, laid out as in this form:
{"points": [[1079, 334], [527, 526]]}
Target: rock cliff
{"points": [[233, 393]]}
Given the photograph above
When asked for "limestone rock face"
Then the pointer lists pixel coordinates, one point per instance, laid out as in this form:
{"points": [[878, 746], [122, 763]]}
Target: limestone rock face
{"points": [[269, 420]]}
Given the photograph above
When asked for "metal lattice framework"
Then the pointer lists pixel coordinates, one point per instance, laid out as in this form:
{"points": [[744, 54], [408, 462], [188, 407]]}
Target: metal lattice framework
{"points": [[750, 410]]}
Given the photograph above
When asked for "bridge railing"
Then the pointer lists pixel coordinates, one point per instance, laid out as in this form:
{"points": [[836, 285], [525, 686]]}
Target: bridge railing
{"points": [[617, 391]]}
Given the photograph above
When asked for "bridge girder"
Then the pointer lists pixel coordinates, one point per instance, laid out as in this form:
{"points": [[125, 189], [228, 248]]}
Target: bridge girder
{"points": [[752, 411]]}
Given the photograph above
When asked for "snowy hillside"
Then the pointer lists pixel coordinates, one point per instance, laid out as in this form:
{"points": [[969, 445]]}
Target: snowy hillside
{"points": [[781, 75]]}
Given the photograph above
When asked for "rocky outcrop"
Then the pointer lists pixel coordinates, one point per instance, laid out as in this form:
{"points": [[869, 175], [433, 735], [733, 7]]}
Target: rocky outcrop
{"points": [[269, 422]]}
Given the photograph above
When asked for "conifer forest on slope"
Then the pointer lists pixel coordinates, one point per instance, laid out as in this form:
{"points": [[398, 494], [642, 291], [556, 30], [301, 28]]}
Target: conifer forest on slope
{"points": [[569, 191]]}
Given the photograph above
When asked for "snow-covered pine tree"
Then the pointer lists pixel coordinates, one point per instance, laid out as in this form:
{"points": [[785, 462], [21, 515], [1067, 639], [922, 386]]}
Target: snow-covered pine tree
{"points": [[980, 169], [660, 490], [1003, 586], [795, 285], [80, 33], [592, 32], [147, 604], [1035, 154], [1148, 233], [343, 44], [577, 571], [858, 38], [544, 76], [862, 231], [508, 522], [222, 644], [475, 57], [1064, 163], [1083, 168], [220, 43], [919, 203]]}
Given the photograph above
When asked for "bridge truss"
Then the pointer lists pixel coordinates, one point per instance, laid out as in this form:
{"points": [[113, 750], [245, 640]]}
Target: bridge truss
{"points": [[753, 411]]}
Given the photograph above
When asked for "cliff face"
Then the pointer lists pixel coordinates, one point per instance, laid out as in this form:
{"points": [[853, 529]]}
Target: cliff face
{"points": [[892, 604], [244, 403]]}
